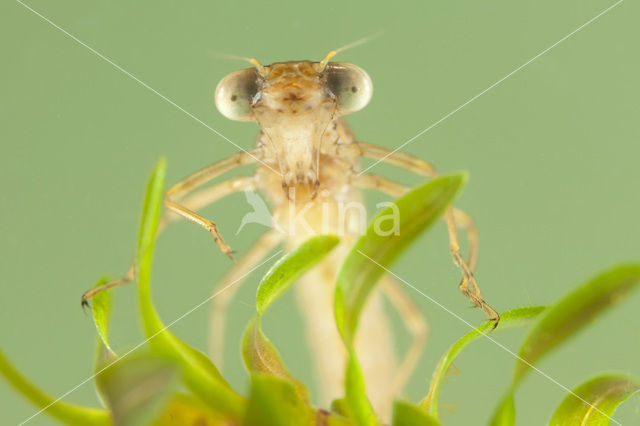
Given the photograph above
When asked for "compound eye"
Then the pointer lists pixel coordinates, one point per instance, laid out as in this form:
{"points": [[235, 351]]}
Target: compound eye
{"points": [[350, 84], [235, 93]]}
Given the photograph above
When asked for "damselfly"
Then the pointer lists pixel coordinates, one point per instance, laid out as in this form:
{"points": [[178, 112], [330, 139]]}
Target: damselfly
{"points": [[307, 165]]}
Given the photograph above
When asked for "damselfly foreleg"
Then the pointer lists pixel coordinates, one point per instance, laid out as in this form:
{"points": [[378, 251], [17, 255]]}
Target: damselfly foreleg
{"points": [[173, 195], [194, 202]]}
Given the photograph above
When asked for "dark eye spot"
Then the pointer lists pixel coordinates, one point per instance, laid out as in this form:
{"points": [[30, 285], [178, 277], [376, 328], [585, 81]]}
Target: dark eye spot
{"points": [[234, 97], [354, 89]]}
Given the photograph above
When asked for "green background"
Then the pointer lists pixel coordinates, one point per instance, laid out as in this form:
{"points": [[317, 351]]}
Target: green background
{"points": [[552, 153]]}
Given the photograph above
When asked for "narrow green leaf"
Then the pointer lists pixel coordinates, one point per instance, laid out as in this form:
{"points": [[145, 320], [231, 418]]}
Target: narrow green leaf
{"points": [[565, 318], [274, 402], [65, 412], [358, 404], [598, 400], [138, 388], [574, 311], [513, 318], [506, 413], [152, 205], [259, 354], [406, 414], [379, 246], [101, 312], [261, 357], [291, 267], [200, 374], [104, 358], [414, 213]]}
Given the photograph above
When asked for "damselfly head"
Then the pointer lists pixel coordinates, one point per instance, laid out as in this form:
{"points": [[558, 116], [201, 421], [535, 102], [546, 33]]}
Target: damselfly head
{"points": [[294, 103], [292, 88]]}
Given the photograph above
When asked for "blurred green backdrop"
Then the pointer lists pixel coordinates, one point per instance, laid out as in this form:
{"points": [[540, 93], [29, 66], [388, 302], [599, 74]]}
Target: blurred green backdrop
{"points": [[552, 153]]}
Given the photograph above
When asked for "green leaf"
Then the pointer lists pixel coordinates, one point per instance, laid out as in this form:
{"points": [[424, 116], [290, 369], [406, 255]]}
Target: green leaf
{"points": [[563, 319], [259, 354], [138, 388], [506, 413], [291, 267], [101, 312], [416, 211], [513, 318], [274, 402], [412, 214], [574, 311], [65, 412], [358, 404], [261, 357], [406, 414], [103, 359], [200, 374], [596, 401]]}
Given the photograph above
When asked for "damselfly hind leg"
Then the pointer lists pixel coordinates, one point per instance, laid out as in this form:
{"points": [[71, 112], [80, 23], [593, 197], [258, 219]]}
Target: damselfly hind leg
{"points": [[229, 285], [455, 218], [418, 328]]}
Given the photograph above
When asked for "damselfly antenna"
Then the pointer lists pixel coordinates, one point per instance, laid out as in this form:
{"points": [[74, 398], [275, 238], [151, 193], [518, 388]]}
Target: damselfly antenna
{"points": [[323, 64]]}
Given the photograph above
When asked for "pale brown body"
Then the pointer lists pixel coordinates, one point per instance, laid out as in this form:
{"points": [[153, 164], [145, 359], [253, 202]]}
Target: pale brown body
{"points": [[315, 291], [308, 161]]}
